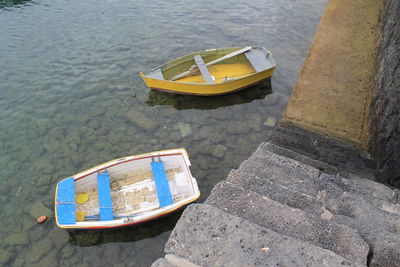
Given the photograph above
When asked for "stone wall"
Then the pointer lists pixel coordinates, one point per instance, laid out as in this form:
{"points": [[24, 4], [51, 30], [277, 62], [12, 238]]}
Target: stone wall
{"points": [[385, 110]]}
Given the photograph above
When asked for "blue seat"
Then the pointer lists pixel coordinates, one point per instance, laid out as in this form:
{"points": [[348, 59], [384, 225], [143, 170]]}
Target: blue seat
{"points": [[66, 208], [104, 192], [162, 186]]}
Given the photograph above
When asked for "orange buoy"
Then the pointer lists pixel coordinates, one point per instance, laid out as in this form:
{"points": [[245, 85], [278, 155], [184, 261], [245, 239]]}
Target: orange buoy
{"points": [[41, 219]]}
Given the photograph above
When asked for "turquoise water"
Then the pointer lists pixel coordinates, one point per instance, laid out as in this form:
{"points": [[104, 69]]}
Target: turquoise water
{"points": [[70, 99]]}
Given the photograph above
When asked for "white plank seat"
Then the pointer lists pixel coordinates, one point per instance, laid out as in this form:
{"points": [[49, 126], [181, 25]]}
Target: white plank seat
{"points": [[157, 74], [203, 69], [257, 60]]}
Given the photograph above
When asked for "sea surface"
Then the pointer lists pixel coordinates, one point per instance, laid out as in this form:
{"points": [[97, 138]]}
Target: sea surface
{"points": [[70, 98]]}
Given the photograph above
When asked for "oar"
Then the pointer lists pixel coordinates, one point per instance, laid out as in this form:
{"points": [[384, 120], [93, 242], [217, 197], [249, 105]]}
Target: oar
{"points": [[194, 68]]}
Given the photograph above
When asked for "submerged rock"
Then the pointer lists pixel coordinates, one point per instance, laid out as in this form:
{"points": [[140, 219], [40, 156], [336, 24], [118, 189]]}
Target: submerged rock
{"points": [[49, 259], [5, 256], [184, 129], [38, 209], [59, 236], [18, 262], [20, 238], [38, 250], [237, 127], [271, 121], [219, 151], [36, 233], [67, 251], [111, 255], [139, 119], [255, 121]]}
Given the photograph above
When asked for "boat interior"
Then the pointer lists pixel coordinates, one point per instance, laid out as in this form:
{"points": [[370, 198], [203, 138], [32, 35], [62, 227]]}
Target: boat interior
{"points": [[200, 68], [125, 189]]}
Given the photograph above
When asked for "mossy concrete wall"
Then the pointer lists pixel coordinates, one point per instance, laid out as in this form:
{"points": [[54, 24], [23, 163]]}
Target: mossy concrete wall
{"points": [[385, 109], [333, 92]]}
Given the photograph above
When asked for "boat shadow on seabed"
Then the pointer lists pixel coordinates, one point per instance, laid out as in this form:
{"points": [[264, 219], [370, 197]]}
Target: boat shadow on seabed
{"points": [[153, 228], [182, 102]]}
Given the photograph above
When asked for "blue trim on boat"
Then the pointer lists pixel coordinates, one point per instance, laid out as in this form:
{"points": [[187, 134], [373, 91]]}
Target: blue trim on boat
{"points": [[66, 213], [161, 181], [66, 190], [66, 208], [105, 202]]}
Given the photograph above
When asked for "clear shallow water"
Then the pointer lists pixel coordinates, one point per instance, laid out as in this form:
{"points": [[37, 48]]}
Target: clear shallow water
{"points": [[70, 99]]}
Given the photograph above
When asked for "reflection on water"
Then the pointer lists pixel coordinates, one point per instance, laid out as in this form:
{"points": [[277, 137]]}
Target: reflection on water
{"points": [[12, 3], [180, 102], [67, 81]]}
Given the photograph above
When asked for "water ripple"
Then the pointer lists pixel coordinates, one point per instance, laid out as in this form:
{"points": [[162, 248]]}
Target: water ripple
{"points": [[68, 81]]}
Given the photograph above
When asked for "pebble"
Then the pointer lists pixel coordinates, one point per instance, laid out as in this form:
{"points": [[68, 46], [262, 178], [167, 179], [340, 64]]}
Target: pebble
{"points": [[271, 121]]}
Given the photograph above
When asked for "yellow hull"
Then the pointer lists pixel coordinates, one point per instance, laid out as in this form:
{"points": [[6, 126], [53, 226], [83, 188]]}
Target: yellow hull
{"points": [[208, 89], [229, 77]]}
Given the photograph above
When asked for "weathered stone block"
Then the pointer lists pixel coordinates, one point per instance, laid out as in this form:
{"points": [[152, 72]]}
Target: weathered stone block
{"points": [[285, 220], [322, 166], [282, 170], [171, 260], [275, 191], [207, 236]]}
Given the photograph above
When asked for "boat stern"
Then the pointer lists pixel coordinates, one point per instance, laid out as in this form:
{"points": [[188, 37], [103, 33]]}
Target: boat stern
{"points": [[65, 206]]}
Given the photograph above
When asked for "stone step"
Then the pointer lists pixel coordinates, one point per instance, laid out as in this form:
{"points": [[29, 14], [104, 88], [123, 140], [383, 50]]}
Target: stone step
{"points": [[317, 230], [357, 202], [339, 154], [207, 236], [276, 191], [308, 180], [286, 172], [384, 244], [364, 197], [336, 195], [281, 151], [171, 260], [379, 190], [366, 187]]}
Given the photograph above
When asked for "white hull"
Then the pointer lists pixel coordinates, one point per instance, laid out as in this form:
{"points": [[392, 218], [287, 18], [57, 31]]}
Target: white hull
{"points": [[135, 191]]}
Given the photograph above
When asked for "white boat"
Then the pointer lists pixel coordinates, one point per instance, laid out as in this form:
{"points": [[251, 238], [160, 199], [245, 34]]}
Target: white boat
{"points": [[126, 191]]}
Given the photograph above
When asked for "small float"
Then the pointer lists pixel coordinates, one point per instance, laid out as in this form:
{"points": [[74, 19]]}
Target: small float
{"points": [[212, 71], [126, 191]]}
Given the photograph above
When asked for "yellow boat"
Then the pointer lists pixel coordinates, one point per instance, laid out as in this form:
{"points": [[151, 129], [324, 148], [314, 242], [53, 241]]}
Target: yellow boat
{"points": [[212, 71]]}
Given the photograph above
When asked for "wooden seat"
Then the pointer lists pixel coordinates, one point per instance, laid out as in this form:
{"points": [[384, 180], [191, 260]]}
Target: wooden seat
{"points": [[203, 69], [157, 74], [257, 60]]}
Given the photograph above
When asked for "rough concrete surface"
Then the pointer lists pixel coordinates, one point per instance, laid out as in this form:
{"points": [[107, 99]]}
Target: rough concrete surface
{"points": [[207, 236], [171, 260], [385, 110], [322, 148], [296, 223], [273, 201], [333, 92]]}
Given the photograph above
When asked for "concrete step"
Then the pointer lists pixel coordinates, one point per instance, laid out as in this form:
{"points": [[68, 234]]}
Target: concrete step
{"points": [[171, 260], [363, 197], [322, 148], [317, 230], [276, 191], [356, 183], [286, 172], [357, 202], [207, 236], [336, 195], [281, 151]]}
